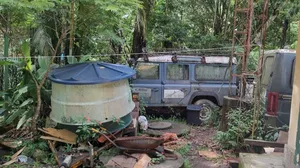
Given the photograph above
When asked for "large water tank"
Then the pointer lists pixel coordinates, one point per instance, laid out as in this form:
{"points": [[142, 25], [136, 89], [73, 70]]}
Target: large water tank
{"points": [[86, 93]]}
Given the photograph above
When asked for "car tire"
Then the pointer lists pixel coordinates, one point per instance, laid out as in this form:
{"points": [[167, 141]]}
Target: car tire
{"points": [[207, 109]]}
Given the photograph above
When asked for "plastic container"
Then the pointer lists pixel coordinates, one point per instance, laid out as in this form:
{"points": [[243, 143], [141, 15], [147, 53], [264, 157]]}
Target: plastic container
{"points": [[86, 93], [193, 114]]}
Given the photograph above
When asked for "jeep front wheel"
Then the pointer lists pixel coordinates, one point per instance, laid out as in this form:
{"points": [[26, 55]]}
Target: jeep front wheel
{"points": [[207, 109]]}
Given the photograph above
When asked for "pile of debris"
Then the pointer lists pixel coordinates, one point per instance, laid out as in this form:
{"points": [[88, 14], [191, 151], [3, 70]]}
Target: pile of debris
{"points": [[142, 151]]}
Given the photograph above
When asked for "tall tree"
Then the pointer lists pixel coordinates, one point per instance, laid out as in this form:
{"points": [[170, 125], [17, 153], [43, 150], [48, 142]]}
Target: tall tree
{"points": [[140, 27]]}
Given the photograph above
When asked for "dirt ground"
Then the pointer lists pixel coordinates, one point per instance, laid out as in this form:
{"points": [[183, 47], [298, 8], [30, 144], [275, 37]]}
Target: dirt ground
{"points": [[201, 139]]}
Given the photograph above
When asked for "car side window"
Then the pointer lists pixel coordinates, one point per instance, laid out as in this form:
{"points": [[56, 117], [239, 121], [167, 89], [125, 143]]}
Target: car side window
{"points": [[148, 71], [267, 70], [210, 72], [177, 72]]}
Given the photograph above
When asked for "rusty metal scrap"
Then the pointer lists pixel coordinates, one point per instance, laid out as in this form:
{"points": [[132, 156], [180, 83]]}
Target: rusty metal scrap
{"points": [[138, 142]]}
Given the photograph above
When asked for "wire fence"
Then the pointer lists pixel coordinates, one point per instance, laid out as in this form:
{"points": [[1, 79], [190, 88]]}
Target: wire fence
{"points": [[223, 51]]}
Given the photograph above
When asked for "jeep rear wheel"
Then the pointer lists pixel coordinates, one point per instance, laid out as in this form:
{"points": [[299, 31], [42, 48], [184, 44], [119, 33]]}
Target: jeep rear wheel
{"points": [[207, 109]]}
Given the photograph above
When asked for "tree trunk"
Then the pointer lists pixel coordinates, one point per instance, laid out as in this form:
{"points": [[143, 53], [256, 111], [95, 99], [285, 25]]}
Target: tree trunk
{"points": [[37, 111], [285, 26], [139, 34], [139, 42]]}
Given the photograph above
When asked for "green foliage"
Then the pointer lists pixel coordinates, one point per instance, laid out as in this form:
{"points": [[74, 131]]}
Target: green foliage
{"points": [[184, 149], [239, 127], [32, 146], [186, 164], [142, 106], [272, 133], [20, 105], [161, 158], [68, 148], [85, 134], [214, 119]]}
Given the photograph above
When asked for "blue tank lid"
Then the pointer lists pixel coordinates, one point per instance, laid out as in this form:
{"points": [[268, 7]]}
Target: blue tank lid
{"points": [[90, 73]]}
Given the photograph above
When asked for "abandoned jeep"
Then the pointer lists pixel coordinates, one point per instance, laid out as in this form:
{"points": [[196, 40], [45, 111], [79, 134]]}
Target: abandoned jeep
{"points": [[179, 81]]}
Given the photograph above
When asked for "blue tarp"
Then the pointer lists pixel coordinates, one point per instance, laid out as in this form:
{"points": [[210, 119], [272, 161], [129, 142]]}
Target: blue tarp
{"points": [[90, 73]]}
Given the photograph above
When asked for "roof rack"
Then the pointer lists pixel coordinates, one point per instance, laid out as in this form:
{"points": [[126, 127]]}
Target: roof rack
{"points": [[220, 59]]}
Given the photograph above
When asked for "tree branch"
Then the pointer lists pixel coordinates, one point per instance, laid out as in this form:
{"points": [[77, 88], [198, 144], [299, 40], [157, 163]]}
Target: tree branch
{"points": [[40, 85]]}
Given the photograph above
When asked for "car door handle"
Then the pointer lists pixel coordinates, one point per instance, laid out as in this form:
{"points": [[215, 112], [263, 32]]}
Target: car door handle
{"points": [[155, 90], [183, 89]]}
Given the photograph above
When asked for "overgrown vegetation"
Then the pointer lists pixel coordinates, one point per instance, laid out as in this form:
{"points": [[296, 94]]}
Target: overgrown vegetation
{"points": [[240, 126], [130, 26], [43, 34]]}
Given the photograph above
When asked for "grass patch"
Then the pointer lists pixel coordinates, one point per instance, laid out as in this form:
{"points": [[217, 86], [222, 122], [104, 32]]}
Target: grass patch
{"points": [[187, 164], [184, 149]]}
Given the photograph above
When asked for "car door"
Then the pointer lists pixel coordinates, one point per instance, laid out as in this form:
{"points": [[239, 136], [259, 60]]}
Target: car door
{"points": [[176, 84], [148, 83]]}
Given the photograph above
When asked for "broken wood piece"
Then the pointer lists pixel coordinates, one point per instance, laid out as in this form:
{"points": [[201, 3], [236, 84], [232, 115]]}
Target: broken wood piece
{"points": [[124, 161], [9, 162], [169, 150], [209, 154], [143, 161], [53, 150], [170, 143], [79, 160], [14, 158], [91, 154], [57, 139], [263, 143], [61, 134], [17, 153], [11, 143]]}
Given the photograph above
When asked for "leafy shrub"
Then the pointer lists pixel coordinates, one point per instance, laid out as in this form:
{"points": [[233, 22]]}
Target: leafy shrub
{"points": [[239, 126]]}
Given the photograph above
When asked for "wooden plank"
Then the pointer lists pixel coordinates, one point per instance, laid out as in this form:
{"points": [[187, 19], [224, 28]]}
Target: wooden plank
{"points": [[9, 162], [56, 139], [11, 144], [60, 133], [143, 161], [53, 150], [122, 161], [264, 143], [13, 158], [17, 153]]}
